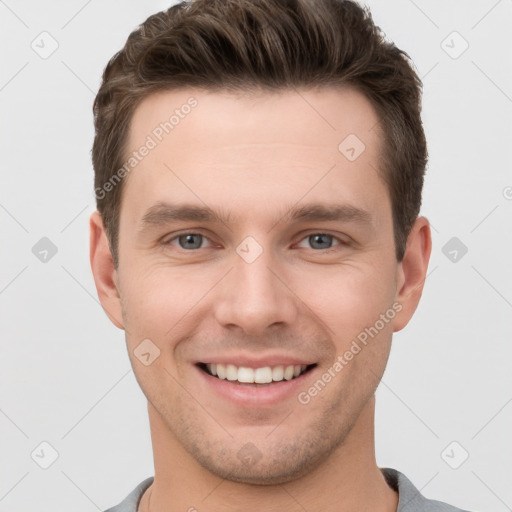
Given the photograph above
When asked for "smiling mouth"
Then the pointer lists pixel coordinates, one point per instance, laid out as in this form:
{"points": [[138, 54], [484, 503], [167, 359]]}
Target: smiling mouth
{"points": [[255, 376]]}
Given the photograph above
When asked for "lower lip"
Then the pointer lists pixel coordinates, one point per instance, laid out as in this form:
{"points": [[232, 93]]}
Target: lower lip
{"points": [[256, 396]]}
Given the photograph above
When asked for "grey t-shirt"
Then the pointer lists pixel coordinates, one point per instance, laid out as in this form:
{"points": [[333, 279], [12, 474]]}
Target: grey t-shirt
{"points": [[409, 498]]}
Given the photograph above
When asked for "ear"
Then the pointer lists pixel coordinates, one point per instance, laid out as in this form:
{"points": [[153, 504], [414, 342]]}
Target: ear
{"points": [[412, 271], [104, 272]]}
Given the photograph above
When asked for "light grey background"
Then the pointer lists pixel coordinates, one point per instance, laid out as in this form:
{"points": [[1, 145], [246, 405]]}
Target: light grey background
{"points": [[65, 374]]}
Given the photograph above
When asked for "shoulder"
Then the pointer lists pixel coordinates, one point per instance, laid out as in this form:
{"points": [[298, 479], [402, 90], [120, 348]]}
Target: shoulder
{"points": [[409, 497], [131, 502]]}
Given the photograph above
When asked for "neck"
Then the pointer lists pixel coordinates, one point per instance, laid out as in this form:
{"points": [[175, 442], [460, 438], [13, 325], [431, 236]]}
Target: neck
{"points": [[348, 480]]}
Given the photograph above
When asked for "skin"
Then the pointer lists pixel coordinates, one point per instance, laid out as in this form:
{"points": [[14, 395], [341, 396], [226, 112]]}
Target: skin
{"points": [[256, 157]]}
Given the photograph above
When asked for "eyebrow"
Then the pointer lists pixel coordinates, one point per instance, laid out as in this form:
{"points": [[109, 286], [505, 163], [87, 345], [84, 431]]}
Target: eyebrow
{"points": [[165, 213], [322, 212]]}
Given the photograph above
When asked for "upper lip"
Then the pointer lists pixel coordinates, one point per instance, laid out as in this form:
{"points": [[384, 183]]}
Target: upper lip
{"points": [[256, 362]]}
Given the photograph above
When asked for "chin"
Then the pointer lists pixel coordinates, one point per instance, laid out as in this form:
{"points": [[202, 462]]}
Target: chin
{"points": [[275, 465], [259, 474]]}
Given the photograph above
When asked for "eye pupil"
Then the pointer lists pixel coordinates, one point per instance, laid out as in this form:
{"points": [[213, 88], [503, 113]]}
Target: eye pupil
{"points": [[187, 241], [317, 240]]}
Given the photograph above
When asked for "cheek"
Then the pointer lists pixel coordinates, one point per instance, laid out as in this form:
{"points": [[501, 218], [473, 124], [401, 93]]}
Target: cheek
{"points": [[161, 302], [349, 298], [155, 312]]}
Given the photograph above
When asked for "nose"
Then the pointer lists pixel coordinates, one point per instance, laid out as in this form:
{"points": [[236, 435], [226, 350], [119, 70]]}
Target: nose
{"points": [[256, 297]]}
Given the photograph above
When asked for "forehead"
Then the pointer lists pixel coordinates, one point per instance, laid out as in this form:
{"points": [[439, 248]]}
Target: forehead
{"points": [[255, 149], [322, 115]]}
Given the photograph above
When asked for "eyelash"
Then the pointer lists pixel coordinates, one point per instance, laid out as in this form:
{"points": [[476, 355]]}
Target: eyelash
{"points": [[339, 241]]}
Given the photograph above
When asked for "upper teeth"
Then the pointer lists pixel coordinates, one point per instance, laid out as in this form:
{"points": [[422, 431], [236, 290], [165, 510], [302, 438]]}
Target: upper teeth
{"points": [[262, 375]]}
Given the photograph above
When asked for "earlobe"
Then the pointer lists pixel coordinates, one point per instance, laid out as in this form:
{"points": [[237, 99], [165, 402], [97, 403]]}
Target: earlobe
{"points": [[412, 271], [104, 272]]}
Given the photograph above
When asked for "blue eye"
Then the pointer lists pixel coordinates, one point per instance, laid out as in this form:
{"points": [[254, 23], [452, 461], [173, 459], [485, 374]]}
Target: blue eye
{"points": [[193, 241], [321, 241], [189, 240]]}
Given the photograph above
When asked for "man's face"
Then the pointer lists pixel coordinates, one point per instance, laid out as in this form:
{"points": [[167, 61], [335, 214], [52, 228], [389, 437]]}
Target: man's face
{"points": [[264, 287]]}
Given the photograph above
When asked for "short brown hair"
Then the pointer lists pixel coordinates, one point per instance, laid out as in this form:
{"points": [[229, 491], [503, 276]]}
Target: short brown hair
{"points": [[238, 45]]}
